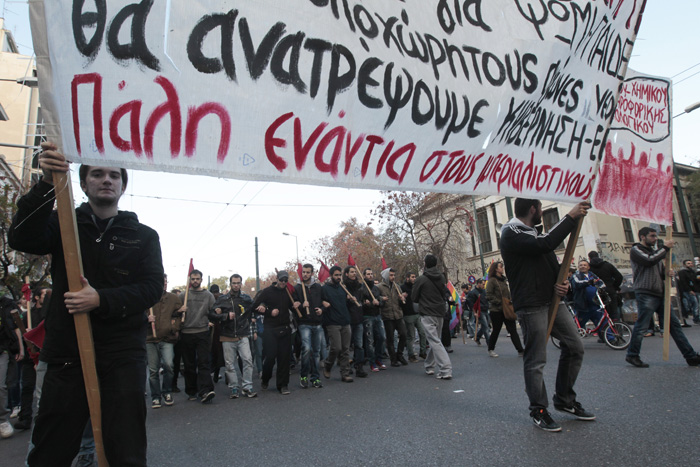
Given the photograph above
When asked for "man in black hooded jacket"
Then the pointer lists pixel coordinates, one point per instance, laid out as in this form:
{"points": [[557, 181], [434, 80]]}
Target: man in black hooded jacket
{"points": [[122, 277]]}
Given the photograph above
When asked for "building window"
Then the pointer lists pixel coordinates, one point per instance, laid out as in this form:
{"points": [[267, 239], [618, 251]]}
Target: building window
{"points": [[627, 228], [482, 218], [495, 221]]}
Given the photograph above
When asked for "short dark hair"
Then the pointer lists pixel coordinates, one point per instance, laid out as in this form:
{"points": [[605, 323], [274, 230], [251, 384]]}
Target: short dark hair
{"points": [[347, 269], [465, 286], [593, 254], [365, 271], [308, 266], [196, 271], [479, 281], [409, 274], [235, 276], [644, 231], [430, 261], [686, 260], [522, 206], [214, 288], [335, 268], [84, 169]]}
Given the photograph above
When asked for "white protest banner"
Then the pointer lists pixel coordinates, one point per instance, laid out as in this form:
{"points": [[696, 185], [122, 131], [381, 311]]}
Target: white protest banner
{"points": [[636, 177], [511, 97]]}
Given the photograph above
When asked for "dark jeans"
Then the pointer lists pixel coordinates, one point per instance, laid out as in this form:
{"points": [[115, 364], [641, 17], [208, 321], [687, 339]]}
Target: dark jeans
{"points": [[646, 306], [392, 325], [612, 307], [177, 358], [498, 320], [277, 349], [534, 322], [28, 385], [196, 355], [63, 413], [357, 341]]}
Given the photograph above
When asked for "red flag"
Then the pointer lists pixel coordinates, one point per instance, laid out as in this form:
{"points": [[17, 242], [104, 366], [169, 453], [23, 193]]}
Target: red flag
{"points": [[384, 265], [323, 273], [290, 287], [299, 272], [351, 262], [27, 292], [189, 272]]}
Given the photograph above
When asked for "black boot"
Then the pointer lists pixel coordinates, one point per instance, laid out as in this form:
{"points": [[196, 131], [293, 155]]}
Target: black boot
{"points": [[360, 372]]}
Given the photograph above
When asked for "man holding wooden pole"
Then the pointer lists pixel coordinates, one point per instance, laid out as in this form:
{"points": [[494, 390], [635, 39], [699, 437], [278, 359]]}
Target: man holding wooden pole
{"points": [[532, 268], [122, 278], [648, 272]]}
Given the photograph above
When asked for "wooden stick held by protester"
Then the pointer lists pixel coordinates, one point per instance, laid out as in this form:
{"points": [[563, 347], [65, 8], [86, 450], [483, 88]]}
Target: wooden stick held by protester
{"points": [[667, 297], [348, 292]]}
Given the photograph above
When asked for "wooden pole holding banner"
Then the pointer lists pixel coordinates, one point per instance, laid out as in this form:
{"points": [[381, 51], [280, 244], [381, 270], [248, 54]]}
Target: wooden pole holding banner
{"points": [[29, 305], [563, 272], [667, 297], [303, 290], [348, 292], [153, 323], [362, 279], [83, 329]]}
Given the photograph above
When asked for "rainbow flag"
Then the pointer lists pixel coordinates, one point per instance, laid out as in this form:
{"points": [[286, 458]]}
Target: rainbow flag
{"points": [[456, 309]]}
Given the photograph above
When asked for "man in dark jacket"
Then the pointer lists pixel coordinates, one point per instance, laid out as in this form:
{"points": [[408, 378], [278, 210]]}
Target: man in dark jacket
{"points": [[648, 272], [310, 328], [478, 294], [165, 326], [354, 286], [336, 319], [275, 303], [11, 350], [392, 315], [612, 279], [687, 283], [372, 321], [412, 320], [431, 295], [123, 277], [532, 268], [234, 311]]}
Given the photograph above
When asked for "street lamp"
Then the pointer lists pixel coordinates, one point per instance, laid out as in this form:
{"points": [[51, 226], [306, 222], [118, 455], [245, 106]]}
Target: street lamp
{"points": [[296, 240]]}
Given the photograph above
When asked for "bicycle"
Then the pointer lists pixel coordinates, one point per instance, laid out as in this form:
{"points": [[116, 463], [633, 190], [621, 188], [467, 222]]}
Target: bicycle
{"points": [[617, 335]]}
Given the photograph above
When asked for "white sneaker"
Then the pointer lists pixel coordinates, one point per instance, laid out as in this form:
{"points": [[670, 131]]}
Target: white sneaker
{"points": [[492, 353], [6, 430], [15, 412]]}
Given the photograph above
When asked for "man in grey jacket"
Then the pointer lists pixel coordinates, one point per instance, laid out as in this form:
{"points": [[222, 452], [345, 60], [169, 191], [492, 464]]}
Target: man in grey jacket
{"points": [[648, 272], [431, 294], [196, 340]]}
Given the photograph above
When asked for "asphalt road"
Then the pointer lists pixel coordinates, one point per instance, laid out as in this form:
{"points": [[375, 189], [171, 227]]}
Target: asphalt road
{"points": [[403, 417]]}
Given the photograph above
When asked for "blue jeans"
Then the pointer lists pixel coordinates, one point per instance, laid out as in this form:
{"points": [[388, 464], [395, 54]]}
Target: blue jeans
{"points": [[311, 339], [4, 362], [357, 340], [646, 306], [483, 327], [258, 345], [690, 302], [374, 337], [160, 353], [233, 350], [534, 322]]}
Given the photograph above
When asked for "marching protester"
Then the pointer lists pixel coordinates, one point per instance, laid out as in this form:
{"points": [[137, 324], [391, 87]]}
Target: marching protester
{"points": [[276, 304], [392, 315], [234, 311], [353, 285], [687, 283], [123, 277], [165, 322], [532, 265], [11, 351], [432, 297], [648, 272], [310, 328], [500, 308], [412, 320], [196, 341], [477, 301], [336, 320], [375, 333]]}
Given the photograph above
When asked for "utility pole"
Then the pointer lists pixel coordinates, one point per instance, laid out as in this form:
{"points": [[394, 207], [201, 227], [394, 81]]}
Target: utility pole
{"points": [[257, 267]]}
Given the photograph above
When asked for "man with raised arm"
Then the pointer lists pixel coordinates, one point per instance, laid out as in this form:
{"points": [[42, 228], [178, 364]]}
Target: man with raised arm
{"points": [[122, 278], [533, 268]]}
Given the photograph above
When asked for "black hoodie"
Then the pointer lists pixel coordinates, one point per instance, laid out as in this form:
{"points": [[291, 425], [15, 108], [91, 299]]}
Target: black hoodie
{"points": [[430, 293]]}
